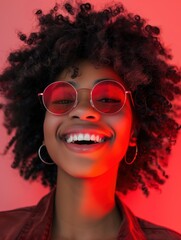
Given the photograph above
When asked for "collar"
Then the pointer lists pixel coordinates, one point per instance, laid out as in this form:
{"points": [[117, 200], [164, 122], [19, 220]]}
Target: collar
{"points": [[129, 228], [39, 223]]}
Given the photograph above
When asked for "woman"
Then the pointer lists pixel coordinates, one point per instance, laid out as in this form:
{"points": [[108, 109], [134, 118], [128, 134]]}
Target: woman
{"points": [[105, 123]]}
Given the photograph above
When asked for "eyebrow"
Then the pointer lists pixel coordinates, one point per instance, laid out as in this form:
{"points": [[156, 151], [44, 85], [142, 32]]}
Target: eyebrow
{"points": [[95, 82]]}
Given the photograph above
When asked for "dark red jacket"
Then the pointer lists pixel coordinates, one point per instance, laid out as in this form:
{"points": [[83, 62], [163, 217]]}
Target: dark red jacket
{"points": [[34, 223]]}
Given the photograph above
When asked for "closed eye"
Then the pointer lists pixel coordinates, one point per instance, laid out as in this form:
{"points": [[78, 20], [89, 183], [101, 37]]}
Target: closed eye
{"points": [[108, 100], [63, 101]]}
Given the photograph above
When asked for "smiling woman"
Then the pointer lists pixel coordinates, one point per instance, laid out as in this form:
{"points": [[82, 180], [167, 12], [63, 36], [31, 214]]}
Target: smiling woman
{"points": [[108, 119], [106, 123]]}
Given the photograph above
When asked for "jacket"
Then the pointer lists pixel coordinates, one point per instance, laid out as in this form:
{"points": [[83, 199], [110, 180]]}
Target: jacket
{"points": [[35, 222]]}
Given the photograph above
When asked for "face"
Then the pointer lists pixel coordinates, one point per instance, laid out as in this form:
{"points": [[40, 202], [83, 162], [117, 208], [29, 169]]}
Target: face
{"points": [[106, 136]]}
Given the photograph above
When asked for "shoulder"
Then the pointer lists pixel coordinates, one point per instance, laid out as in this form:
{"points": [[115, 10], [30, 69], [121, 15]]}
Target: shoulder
{"points": [[13, 220], [27, 221], [156, 232], [12, 215]]}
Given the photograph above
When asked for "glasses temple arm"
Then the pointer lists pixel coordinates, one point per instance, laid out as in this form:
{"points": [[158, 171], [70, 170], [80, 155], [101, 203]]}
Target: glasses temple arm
{"points": [[131, 97]]}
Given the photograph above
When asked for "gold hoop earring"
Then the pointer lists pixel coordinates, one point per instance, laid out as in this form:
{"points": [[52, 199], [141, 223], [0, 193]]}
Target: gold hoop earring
{"points": [[134, 158], [39, 154]]}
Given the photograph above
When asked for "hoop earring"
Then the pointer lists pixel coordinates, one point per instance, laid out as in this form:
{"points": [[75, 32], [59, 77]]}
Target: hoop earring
{"points": [[39, 154], [134, 158]]}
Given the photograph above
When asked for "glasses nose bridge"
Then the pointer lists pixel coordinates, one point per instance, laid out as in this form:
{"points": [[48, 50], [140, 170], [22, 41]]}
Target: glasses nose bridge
{"points": [[84, 96], [83, 107]]}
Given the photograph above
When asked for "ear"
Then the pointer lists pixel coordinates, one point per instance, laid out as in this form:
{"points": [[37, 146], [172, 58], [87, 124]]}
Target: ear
{"points": [[133, 138]]}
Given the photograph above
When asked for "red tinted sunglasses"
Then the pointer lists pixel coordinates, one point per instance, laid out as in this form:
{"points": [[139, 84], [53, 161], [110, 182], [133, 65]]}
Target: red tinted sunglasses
{"points": [[107, 96]]}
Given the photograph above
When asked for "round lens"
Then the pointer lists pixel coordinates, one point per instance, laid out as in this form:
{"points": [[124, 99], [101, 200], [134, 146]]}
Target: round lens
{"points": [[108, 96], [59, 97]]}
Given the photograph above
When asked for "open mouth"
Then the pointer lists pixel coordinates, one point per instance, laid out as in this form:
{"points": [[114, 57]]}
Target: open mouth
{"points": [[85, 143], [84, 139]]}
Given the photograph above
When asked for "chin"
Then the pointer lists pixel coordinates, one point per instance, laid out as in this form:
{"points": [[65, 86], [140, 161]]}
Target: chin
{"points": [[82, 172]]}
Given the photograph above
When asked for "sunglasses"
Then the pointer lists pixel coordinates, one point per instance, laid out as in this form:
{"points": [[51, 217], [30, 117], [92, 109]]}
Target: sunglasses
{"points": [[107, 97]]}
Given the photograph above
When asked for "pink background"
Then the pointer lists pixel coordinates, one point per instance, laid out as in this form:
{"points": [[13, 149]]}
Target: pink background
{"points": [[162, 208]]}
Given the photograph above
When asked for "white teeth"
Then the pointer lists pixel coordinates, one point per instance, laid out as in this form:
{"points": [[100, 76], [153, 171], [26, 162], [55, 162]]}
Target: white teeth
{"points": [[80, 137], [75, 138], [69, 140], [97, 139], [93, 137], [87, 137], [84, 137]]}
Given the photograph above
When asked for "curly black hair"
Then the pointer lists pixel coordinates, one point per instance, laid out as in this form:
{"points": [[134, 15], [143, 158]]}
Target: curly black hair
{"points": [[111, 37]]}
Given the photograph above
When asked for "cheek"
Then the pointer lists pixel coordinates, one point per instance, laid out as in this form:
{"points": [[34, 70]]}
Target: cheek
{"points": [[50, 126], [122, 126]]}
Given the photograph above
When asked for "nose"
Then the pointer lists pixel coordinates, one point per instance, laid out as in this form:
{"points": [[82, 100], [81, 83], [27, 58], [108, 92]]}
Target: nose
{"points": [[84, 110]]}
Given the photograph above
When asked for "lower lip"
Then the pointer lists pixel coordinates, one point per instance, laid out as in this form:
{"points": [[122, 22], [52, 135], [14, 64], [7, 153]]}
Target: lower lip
{"points": [[85, 148]]}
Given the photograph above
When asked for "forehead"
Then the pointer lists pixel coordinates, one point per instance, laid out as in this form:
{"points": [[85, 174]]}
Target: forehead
{"points": [[86, 74]]}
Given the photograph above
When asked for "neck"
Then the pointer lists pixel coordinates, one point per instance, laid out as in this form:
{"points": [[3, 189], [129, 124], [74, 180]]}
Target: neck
{"points": [[86, 207]]}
